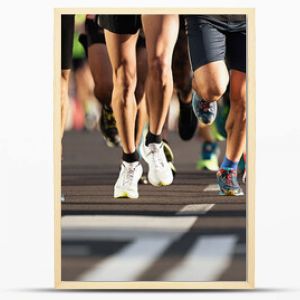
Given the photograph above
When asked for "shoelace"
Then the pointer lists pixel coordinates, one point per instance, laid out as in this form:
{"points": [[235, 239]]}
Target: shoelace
{"points": [[158, 162], [206, 106], [228, 176], [129, 174]]}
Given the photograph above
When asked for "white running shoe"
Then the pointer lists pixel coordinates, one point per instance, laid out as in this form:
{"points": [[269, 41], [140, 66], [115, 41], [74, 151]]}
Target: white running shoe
{"points": [[160, 172], [127, 183]]}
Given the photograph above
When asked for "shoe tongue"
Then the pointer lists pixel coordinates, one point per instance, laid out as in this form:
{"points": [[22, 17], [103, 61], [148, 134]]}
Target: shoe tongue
{"points": [[155, 146], [130, 164]]}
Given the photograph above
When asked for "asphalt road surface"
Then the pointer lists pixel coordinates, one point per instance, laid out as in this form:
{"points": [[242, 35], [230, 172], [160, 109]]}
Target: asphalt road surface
{"points": [[183, 232]]}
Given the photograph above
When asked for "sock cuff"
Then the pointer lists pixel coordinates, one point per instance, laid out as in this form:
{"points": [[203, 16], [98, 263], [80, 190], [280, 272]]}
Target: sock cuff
{"points": [[153, 138], [229, 164], [130, 157]]}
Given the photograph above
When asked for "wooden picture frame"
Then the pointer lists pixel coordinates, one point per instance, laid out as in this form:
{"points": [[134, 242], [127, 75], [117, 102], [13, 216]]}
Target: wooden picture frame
{"points": [[251, 145]]}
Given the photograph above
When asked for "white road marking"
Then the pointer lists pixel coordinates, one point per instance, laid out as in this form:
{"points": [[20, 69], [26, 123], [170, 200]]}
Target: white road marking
{"points": [[129, 263], [207, 260], [195, 209], [212, 188], [150, 236], [111, 227]]}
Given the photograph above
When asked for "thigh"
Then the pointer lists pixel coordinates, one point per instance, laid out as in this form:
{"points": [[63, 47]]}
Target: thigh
{"points": [[94, 32], [236, 51], [161, 33], [206, 43], [181, 66], [121, 50]]}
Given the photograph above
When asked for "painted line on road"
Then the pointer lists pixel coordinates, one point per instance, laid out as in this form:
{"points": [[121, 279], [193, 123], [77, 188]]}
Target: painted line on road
{"points": [[212, 188], [129, 262], [150, 236], [112, 227], [207, 260], [195, 209]]}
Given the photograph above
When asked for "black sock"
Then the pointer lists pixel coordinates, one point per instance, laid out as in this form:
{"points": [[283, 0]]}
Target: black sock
{"points": [[130, 157], [153, 138]]}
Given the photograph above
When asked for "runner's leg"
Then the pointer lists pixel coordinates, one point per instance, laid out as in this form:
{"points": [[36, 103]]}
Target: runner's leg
{"points": [[236, 122], [161, 33], [142, 116], [122, 53]]}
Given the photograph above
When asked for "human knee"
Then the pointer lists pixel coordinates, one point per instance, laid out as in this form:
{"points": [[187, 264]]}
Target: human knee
{"points": [[212, 91], [238, 104], [160, 69], [125, 80]]}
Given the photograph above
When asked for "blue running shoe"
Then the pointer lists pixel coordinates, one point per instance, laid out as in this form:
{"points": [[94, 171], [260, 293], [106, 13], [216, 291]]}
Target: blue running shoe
{"points": [[228, 183], [205, 111]]}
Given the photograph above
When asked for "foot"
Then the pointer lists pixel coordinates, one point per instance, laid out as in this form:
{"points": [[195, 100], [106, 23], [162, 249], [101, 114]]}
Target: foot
{"points": [[209, 157], [205, 111], [228, 183], [159, 173], [187, 122], [108, 127], [127, 183]]}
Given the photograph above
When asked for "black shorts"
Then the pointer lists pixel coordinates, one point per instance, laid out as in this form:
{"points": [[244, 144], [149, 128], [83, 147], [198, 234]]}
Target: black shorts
{"points": [[94, 34], [217, 37], [121, 24], [67, 35]]}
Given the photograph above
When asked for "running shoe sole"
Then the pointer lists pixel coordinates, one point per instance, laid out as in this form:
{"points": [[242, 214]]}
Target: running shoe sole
{"points": [[125, 195], [231, 193]]}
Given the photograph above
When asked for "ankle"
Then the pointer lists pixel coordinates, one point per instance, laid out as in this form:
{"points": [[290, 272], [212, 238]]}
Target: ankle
{"points": [[130, 157], [229, 164], [153, 138]]}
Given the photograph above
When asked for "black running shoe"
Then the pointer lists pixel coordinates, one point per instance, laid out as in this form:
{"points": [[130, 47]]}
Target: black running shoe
{"points": [[108, 127], [187, 122]]}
